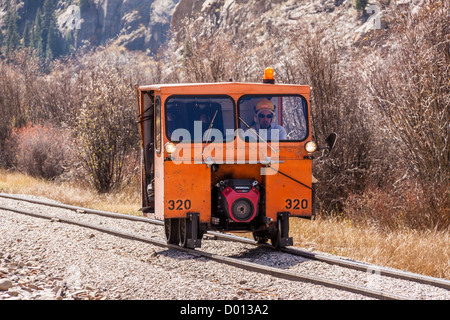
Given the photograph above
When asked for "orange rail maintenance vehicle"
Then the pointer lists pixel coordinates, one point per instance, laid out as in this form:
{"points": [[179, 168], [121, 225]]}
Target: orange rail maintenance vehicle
{"points": [[231, 157]]}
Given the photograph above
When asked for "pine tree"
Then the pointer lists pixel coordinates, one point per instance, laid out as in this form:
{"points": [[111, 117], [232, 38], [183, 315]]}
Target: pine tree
{"points": [[50, 34], [46, 19], [69, 42], [37, 35], [1, 39], [52, 43], [12, 38], [27, 35]]}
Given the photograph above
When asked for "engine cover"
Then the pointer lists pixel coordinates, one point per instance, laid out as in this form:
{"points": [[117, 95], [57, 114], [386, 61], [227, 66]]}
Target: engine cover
{"points": [[240, 199]]}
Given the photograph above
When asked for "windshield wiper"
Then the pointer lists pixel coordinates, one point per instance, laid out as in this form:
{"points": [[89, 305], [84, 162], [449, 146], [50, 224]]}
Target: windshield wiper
{"points": [[254, 131], [209, 131]]}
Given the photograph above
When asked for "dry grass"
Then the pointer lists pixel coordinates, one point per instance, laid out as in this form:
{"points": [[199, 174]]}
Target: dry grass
{"points": [[127, 201], [423, 252]]}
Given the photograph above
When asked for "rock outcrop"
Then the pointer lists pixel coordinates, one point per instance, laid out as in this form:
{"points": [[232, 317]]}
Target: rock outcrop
{"points": [[134, 24]]}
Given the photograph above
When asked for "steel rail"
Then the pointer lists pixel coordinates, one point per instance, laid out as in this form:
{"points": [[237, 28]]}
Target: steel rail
{"points": [[356, 265], [350, 264], [83, 210], [279, 273]]}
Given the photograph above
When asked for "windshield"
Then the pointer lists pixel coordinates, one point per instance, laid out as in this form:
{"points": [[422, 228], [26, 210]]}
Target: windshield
{"points": [[188, 118], [275, 117]]}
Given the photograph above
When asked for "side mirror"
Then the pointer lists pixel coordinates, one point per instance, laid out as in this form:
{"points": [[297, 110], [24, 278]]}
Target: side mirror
{"points": [[331, 141]]}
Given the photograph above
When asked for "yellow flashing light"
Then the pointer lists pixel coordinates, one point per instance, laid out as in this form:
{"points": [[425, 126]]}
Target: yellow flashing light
{"points": [[268, 76], [268, 73]]}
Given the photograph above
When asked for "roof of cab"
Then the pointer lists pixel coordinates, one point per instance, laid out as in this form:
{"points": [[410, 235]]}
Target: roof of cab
{"points": [[227, 88]]}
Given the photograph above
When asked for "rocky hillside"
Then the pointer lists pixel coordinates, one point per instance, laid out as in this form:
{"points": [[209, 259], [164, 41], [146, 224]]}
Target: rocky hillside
{"points": [[135, 24], [260, 20], [145, 24]]}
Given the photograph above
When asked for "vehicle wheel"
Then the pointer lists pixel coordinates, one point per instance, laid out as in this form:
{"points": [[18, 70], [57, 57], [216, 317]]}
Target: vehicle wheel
{"points": [[276, 235], [171, 228], [184, 232]]}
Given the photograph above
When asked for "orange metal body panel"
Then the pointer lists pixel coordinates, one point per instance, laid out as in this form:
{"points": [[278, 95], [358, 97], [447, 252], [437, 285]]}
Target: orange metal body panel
{"points": [[285, 194], [187, 188]]}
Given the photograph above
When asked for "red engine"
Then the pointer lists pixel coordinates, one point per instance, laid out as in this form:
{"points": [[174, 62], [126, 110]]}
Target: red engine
{"points": [[239, 199]]}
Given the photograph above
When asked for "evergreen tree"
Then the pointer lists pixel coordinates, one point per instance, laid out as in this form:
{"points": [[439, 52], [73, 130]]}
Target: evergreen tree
{"points": [[37, 34], [50, 34], [1, 39], [69, 42], [52, 49], [12, 38], [27, 35], [46, 21]]}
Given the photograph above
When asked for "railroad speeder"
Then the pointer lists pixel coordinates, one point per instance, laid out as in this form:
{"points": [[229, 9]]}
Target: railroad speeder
{"points": [[230, 157]]}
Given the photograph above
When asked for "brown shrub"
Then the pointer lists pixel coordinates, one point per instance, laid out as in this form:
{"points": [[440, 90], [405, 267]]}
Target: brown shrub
{"points": [[15, 76], [408, 83], [40, 151], [105, 128], [394, 209]]}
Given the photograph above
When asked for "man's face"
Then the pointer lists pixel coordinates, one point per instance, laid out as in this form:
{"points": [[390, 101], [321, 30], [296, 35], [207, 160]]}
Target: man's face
{"points": [[265, 119]]}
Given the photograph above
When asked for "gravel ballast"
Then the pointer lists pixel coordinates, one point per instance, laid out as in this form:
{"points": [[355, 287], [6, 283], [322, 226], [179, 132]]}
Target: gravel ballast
{"points": [[44, 259]]}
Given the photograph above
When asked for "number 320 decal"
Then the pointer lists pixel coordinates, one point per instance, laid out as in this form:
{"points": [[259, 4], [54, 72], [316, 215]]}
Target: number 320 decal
{"points": [[296, 204], [179, 204]]}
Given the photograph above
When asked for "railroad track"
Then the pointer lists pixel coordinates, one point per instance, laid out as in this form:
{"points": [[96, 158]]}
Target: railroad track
{"points": [[286, 274]]}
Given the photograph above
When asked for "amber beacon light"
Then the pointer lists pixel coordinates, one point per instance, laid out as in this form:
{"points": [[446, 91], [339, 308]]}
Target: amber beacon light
{"points": [[268, 76]]}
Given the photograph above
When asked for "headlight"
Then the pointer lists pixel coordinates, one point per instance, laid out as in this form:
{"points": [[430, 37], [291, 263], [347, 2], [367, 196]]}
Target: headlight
{"points": [[310, 146], [170, 147]]}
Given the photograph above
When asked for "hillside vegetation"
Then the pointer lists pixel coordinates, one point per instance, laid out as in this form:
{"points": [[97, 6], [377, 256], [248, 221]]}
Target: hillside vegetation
{"points": [[385, 92]]}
